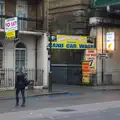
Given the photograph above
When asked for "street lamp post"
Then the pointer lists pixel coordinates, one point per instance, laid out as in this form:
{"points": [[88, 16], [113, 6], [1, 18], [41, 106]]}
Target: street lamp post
{"points": [[49, 30], [50, 58]]}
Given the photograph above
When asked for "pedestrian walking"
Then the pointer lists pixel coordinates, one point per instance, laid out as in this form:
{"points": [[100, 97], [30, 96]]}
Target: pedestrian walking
{"points": [[20, 84]]}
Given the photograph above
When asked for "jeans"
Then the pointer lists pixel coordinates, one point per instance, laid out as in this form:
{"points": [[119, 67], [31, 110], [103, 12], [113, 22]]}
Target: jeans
{"points": [[23, 96]]}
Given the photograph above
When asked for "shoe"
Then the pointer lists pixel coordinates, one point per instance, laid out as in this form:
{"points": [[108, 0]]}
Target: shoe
{"points": [[23, 105]]}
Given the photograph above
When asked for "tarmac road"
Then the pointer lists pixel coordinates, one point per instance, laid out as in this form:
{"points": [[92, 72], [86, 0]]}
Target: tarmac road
{"points": [[36, 103], [94, 111]]}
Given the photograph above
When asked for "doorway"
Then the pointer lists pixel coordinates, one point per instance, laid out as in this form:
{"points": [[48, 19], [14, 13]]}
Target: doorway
{"points": [[66, 66]]}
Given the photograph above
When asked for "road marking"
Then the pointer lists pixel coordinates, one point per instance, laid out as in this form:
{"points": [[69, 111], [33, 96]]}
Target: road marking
{"points": [[118, 114]]}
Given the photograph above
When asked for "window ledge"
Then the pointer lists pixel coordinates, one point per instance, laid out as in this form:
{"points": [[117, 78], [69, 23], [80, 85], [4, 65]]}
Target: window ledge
{"points": [[27, 32]]}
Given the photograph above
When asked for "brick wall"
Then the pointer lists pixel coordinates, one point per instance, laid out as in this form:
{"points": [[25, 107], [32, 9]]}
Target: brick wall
{"points": [[33, 13], [40, 13], [10, 7]]}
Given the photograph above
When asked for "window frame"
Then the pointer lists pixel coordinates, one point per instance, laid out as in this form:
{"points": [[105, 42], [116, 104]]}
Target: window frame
{"points": [[24, 4], [1, 48], [25, 57], [2, 12]]}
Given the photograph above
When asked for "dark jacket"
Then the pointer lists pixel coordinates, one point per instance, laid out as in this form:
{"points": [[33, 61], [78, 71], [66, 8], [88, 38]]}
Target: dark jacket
{"points": [[20, 82]]}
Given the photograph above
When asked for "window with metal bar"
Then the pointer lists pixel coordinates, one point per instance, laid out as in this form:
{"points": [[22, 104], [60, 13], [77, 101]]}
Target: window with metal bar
{"points": [[20, 55], [22, 11], [1, 56], [2, 12]]}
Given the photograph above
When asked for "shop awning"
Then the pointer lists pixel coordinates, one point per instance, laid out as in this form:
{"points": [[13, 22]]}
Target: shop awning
{"points": [[102, 3]]}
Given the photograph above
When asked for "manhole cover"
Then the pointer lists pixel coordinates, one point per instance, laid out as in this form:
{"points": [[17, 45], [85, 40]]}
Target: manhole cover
{"points": [[66, 110]]}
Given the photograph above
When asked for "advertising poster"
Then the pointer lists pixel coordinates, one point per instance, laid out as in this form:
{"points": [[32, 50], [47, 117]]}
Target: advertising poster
{"points": [[11, 26], [73, 42], [110, 41], [86, 72], [90, 55]]}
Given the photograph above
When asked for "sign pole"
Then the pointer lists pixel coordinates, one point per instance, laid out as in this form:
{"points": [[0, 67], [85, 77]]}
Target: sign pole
{"points": [[102, 72]]}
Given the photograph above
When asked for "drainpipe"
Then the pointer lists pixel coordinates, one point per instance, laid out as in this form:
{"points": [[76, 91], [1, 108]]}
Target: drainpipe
{"points": [[27, 32], [31, 33], [36, 47], [102, 73]]}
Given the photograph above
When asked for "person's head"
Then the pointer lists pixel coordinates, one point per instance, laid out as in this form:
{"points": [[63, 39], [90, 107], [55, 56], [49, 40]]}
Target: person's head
{"points": [[19, 71]]}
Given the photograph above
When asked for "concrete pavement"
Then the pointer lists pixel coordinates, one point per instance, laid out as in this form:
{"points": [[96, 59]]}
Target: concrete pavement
{"points": [[7, 95], [107, 88], [86, 89], [60, 89]]}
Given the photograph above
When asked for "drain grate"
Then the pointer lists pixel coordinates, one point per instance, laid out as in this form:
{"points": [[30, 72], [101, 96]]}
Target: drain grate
{"points": [[66, 110]]}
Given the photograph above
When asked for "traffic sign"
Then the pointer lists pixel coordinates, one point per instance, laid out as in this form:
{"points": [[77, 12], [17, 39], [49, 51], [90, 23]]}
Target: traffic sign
{"points": [[102, 55]]}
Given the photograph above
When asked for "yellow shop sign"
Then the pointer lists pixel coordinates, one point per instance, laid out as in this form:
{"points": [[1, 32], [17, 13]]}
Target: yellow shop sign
{"points": [[10, 34], [73, 42]]}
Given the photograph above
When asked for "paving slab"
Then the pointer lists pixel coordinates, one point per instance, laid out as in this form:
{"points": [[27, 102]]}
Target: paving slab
{"points": [[107, 88], [60, 89]]}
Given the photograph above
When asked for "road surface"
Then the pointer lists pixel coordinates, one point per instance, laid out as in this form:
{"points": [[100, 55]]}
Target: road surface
{"points": [[94, 111]]}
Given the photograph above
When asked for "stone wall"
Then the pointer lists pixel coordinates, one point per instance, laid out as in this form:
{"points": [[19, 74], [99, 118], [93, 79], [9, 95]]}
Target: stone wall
{"points": [[69, 17], [111, 65]]}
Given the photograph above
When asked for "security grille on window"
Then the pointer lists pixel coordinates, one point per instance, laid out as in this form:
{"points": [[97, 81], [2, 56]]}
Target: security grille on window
{"points": [[22, 11], [1, 56], [20, 55], [2, 11]]}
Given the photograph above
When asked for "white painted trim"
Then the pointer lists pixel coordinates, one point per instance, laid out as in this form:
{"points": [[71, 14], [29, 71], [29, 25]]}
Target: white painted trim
{"points": [[27, 32]]}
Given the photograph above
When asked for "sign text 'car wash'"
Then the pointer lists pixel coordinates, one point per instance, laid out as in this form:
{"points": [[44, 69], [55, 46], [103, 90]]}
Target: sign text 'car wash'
{"points": [[73, 42]]}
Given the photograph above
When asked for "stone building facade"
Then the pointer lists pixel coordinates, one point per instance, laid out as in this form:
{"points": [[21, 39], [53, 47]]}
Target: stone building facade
{"points": [[69, 17], [30, 51], [106, 19]]}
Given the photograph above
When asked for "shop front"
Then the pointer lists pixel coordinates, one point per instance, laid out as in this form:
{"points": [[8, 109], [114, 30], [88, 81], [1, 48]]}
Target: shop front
{"points": [[68, 53]]}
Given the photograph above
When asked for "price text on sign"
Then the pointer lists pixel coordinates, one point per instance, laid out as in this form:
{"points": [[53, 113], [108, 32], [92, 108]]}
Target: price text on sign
{"points": [[91, 62], [86, 72], [10, 34], [90, 55], [11, 24]]}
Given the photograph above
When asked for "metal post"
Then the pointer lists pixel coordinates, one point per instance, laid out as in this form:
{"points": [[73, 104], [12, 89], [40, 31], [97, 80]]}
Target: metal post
{"points": [[49, 29], [102, 73], [50, 54], [36, 42]]}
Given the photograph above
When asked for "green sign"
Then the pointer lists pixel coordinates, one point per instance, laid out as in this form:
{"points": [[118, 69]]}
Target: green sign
{"points": [[100, 3]]}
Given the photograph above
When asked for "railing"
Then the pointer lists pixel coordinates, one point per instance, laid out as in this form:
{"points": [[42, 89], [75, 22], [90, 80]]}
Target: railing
{"points": [[110, 77], [7, 77], [27, 24]]}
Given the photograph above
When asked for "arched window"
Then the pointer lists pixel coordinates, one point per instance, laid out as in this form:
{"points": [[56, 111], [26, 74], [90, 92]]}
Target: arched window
{"points": [[1, 55], [20, 54]]}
